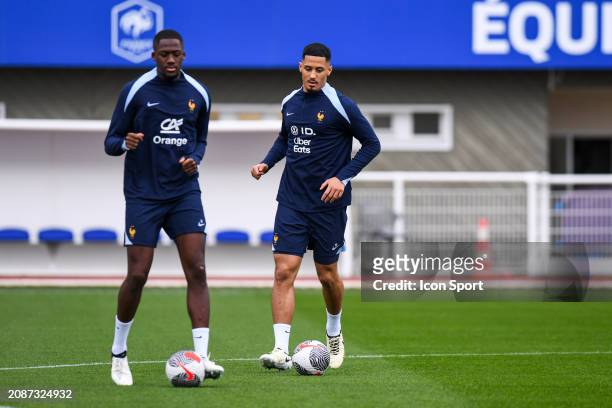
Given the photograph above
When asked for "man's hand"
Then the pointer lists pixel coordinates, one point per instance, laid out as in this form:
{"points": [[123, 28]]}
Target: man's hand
{"points": [[133, 139], [334, 189], [259, 170], [189, 165]]}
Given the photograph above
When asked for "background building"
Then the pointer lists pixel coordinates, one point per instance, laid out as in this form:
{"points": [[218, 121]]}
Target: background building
{"points": [[495, 87]]}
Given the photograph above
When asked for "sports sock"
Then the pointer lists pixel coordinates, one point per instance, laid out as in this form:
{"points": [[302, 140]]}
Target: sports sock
{"points": [[121, 334], [281, 336], [200, 341], [333, 325]]}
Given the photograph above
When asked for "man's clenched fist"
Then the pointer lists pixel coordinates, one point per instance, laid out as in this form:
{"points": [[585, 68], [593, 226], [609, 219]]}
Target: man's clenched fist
{"points": [[259, 170], [189, 165], [133, 139]]}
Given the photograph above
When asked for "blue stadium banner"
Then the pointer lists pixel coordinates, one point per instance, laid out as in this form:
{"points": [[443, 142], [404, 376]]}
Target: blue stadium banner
{"points": [[390, 34]]}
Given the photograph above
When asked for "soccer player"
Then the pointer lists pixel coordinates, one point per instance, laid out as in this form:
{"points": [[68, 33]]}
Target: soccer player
{"points": [[316, 138], [161, 123]]}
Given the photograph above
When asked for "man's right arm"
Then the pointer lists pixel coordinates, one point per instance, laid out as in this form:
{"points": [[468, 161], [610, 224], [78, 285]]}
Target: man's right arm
{"points": [[278, 150], [114, 144], [276, 153]]}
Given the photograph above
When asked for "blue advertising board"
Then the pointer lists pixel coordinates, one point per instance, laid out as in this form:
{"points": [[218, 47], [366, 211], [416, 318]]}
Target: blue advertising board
{"points": [[389, 34]]}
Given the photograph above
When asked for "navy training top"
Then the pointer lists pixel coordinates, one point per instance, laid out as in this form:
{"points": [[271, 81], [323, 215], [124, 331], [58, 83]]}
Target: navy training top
{"points": [[173, 115], [316, 138]]}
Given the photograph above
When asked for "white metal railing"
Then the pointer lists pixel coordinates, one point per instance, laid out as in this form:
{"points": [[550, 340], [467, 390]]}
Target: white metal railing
{"points": [[458, 206], [101, 126]]}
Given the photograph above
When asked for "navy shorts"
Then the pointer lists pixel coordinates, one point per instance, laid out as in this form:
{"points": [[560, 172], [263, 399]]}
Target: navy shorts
{"points": [[145, 218], [323, 232]]}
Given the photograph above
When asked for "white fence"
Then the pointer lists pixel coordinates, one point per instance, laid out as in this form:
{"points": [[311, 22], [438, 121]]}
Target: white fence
{"points": [[473, 206], [70, 182]]}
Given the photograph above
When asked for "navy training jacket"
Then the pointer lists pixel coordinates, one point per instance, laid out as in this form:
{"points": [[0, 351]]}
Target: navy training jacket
{"points": [[173, 115], [316, 138]]}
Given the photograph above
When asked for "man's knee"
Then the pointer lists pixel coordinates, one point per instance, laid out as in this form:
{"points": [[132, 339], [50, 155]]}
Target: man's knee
{"points": [[284, 273], [327, 280], [195, 272], [328, 275], [138, 270], [137, 280]]}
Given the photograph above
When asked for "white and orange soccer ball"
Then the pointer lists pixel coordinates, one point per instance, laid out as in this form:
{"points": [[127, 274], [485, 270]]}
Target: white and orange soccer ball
{"points": [[310, 357], [185, 369]]}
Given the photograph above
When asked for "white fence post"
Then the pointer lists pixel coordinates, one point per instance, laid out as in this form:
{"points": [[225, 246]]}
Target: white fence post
{"points": [[399, 209], [532, 206], [346, 260], [545, 205]]}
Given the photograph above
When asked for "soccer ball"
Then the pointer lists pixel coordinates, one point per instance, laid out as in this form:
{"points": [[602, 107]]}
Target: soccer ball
{"points": [[310, 357], [185, 369]]}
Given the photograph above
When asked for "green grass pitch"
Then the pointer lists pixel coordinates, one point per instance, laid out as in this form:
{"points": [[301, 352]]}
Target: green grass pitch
{"points": [[417, 354]]}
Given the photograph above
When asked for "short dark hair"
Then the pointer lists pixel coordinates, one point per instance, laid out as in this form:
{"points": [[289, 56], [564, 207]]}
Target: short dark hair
{"points": [[164, 35], [317, 50]]}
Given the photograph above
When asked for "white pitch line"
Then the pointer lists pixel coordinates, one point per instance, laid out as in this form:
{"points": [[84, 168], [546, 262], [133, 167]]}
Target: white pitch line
{"points": [[356, 356], [508, 354]]}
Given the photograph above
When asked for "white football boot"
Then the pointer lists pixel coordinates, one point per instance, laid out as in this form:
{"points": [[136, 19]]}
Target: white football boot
{"points": [[335, 346], [211, 369], [277, 358], [120, 371]]}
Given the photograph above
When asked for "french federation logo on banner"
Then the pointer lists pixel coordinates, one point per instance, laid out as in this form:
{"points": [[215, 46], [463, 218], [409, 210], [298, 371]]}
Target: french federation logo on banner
{"points": [[134, 23]]}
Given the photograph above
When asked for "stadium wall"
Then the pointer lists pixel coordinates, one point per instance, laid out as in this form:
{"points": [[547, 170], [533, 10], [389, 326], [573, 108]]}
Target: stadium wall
{"points": [[500, 117], [55, 174]]}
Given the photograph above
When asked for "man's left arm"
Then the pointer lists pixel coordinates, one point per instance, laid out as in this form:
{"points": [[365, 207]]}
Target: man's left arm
{"points": [[190, 164], [370, 147]]}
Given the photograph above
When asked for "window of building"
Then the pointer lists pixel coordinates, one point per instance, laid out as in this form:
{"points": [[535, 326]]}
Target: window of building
{"points": [[400, 127], [412, 127]]}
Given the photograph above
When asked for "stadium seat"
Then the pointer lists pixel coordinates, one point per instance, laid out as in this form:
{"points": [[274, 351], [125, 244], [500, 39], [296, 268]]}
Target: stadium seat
{"points": [[266, 237], [14, 235], [99, 235], [232, 237], [55, 235]]}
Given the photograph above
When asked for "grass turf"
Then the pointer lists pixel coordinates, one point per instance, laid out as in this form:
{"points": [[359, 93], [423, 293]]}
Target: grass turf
{"points": [[49, 326]]}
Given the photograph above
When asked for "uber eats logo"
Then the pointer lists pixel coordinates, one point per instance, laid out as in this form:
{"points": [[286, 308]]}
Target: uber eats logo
{"points": [[170, 126], [300, 144]]}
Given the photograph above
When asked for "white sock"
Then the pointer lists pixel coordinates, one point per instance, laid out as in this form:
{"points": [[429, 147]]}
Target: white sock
{"points": [[121, 334], [333, 325], [200, 341], [281, 336]]}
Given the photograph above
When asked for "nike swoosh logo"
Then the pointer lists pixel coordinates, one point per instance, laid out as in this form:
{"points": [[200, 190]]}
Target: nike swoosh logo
{"points": [[200, 224], [190, 375], [199, 337], [289, 114], [149, 104]]}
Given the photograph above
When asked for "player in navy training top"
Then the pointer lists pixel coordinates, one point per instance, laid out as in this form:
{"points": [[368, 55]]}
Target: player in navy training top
{"points": [[316, 140], [161, 123]]}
